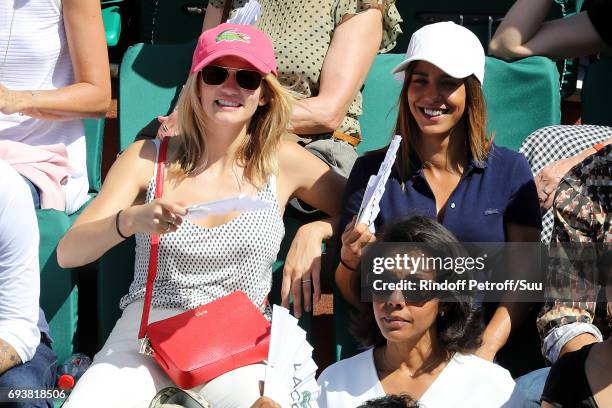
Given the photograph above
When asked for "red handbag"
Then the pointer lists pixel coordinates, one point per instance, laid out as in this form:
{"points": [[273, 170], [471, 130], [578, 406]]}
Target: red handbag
{"points": [[199, 345]]}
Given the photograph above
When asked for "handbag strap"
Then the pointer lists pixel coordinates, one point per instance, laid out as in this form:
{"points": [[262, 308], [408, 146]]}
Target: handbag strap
{"points": [[227, 7], [159, 191]]}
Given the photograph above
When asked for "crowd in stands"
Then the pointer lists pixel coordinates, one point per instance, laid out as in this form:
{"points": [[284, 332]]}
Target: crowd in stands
{"points": [[271, 111]]}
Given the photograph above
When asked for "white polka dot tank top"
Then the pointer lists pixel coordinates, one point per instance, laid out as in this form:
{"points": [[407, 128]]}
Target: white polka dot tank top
{"points": [[197, 265]]}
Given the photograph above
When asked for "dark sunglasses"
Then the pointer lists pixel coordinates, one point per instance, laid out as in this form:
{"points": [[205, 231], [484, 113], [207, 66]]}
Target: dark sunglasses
{"points": [[246, 78]]}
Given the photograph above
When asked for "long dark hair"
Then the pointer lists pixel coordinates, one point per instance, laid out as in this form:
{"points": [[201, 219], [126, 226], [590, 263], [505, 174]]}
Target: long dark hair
{"points": [[461, 326], [475, 122]]}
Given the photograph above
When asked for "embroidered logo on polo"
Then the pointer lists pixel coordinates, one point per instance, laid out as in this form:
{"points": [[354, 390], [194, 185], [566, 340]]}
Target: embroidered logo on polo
{"points": [[232, 35], [491, 211]]}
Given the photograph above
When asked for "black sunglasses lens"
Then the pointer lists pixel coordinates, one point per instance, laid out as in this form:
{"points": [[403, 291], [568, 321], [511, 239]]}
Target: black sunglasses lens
{"points": [[248, 79], [212, 75]]}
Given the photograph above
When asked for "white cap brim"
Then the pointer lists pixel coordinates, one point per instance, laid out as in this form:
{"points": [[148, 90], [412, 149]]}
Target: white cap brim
{"points": [[451, 69]]}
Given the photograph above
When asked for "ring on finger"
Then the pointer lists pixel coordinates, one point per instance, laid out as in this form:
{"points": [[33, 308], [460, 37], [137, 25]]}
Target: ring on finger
{"points": [[305, 281]]}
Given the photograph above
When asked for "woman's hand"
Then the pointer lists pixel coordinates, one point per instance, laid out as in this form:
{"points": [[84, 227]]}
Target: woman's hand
{"points": [[354, 239], [169, 125], [156, 217], [302, 271], [12, 101], [549, 177]]}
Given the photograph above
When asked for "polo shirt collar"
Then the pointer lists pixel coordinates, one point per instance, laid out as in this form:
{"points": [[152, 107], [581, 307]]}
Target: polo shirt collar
{"points": [[417, 167]]}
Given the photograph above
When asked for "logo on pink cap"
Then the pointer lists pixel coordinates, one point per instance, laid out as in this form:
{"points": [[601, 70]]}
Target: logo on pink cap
{"points": [[245, 42], [233, 35]]}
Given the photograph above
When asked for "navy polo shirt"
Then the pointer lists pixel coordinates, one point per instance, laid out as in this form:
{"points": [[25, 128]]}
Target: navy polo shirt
{"points": [[490, 195]]}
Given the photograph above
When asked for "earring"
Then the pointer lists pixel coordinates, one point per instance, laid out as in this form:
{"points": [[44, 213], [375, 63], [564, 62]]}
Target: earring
{"points": [[442, 314]]}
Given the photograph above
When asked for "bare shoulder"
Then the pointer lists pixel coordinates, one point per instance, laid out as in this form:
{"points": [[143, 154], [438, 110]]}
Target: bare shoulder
{"points": [[292, 156], [140, 150], [137, 162]]}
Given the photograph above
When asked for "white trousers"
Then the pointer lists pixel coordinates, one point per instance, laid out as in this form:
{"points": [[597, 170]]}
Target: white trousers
{"points": [[122, 377]]}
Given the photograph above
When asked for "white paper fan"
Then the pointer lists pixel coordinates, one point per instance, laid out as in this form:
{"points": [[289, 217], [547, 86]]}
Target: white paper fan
{"points": [[376, 187], [238, 203], [290, 373]]}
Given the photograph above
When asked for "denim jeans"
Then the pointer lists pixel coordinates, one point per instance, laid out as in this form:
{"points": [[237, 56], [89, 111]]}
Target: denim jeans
{"points": [[35, 192], [531, 386], [38, 373]]}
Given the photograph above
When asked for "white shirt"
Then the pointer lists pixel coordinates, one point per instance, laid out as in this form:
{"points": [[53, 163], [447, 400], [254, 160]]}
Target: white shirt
{"points": [[34, 56], [466, 381], [19, 270]]}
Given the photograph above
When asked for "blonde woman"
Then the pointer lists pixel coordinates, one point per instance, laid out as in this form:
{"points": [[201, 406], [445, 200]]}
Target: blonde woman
{"points": [[233, 112]]}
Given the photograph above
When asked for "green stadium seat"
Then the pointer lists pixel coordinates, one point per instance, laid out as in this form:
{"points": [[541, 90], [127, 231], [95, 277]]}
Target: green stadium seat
{"points": [[596, 91], [59, 292], [112, 25], [146, 87], [521, 96]]}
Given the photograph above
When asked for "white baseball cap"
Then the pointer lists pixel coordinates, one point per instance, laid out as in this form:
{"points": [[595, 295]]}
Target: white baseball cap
{"points": [[451, 47]]}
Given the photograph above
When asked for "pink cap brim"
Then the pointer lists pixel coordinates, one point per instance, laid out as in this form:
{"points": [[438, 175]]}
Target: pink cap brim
{"points": [[248, 57]]}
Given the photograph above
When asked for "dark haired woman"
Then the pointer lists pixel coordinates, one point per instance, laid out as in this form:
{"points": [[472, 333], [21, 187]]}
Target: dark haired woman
{"points": [[446, 168], [422, 348]]}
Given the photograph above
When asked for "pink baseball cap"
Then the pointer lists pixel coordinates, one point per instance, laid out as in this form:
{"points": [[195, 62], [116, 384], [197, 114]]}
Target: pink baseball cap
{"points": [[243, 41]]}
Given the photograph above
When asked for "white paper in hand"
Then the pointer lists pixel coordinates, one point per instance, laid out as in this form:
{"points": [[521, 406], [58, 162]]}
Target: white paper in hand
{"points": [[247, 15], [238, 203], [376, 187], [290, 373]]}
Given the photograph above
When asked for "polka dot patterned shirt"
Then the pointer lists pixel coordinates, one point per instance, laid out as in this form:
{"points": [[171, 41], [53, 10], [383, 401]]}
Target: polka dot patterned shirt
{"points": [[197, 265], [301, 31]]}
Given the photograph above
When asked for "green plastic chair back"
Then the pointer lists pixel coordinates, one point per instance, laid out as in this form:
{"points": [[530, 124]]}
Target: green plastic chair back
{"points": [[94, 139], [380, 96], [150, 79], [59, 292], [596, 91], [111, 17], [521, 96]]}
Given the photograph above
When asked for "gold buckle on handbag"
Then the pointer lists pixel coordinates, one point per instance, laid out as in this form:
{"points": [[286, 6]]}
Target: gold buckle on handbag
{"points": [[145, 346]]}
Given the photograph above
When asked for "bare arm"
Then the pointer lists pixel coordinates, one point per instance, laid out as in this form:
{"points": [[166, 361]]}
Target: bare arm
{"points": [[212, 17], [123, 190], [524, 33], [353, 48], [306, 177], [509, 314], [8, 357], [90, 95]]}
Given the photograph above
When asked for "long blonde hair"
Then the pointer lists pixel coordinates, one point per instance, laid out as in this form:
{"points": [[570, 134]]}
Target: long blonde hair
{"points": [[257, 151], [474, 119]]}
